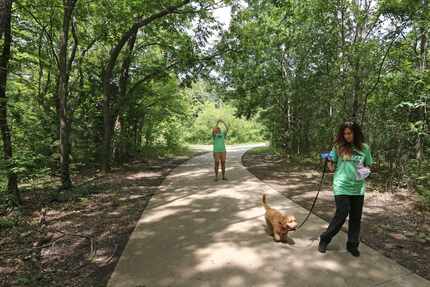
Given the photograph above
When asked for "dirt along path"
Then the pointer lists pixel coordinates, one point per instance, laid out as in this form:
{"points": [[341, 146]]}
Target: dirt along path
{"points": [[79, 237]]}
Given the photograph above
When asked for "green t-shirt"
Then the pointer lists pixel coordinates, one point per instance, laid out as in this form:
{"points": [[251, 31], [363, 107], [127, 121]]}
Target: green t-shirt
{"points": [[218, 142], [344, 180]]}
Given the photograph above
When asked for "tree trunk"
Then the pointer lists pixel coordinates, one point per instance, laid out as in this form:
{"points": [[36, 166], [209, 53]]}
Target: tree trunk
{"points": [[125, 73], [423, 68], [123, 85], [6, 37], [63, 85], [108, 86], [355, 93], [135, 132], [138, 130], [285, 104]]}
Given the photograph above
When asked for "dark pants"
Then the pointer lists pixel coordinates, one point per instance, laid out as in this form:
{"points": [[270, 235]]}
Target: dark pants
{"points": [[351, 205]]}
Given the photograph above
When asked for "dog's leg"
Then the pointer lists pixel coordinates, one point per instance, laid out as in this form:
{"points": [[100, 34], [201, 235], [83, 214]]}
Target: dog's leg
{"points": [[285, 237], [269, 227], [277, 232]]}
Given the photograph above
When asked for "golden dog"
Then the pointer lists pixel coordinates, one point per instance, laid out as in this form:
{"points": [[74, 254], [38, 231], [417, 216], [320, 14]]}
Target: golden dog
{"points": [[278, 224]]}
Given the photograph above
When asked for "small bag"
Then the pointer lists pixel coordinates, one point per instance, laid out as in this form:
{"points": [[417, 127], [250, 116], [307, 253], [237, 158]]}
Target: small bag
{"points": [[362, 171]]}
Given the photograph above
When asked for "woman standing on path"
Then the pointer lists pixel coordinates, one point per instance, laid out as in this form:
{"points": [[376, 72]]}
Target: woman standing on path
{"points": [[220, 154], [350, 159]]}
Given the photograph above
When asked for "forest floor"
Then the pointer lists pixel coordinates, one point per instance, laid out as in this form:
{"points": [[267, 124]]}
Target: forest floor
{"points": [[395, 223], [75, 239]]}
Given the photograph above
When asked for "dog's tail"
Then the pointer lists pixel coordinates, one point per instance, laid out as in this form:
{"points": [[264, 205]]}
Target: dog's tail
{"points": [[263, 200]]}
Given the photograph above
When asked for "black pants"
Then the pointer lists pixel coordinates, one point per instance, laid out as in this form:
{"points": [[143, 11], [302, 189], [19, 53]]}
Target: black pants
{"points": [[351, 205]]}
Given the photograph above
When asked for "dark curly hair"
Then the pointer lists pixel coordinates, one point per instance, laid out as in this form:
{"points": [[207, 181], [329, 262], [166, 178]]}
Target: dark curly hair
{"points": [[345, 148]]}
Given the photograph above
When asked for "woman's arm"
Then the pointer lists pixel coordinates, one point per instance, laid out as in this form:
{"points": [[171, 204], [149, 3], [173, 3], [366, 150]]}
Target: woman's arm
{"points": [[368, 160], [225, 125], [332, 160]]}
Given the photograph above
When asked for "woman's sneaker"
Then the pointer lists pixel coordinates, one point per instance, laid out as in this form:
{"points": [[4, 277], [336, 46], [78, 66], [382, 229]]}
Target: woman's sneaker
{"points": [[353, 249], [354, 252], [322, 246]]}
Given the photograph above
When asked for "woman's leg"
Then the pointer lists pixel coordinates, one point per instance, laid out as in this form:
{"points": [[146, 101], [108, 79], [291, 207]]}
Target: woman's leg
{"points": [[343, 207], [223, 159], [354, 224], [216, 162]]}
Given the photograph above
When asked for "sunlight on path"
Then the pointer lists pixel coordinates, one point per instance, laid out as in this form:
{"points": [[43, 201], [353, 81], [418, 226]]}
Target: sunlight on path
{"points": [[198, 232]]}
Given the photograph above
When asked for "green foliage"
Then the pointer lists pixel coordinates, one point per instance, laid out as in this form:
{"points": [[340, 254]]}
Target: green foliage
{"points": [[149, 112], [6, 222], [287, 71], [23, 281], [240, 130], [306, 66], [419, 173]]}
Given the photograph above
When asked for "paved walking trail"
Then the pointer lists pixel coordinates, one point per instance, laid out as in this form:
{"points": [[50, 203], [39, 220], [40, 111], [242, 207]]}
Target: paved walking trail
{"points": [[199, 233]]}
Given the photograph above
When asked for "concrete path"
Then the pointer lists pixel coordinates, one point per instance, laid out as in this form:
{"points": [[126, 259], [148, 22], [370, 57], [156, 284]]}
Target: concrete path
{"points": [[199, 233]]}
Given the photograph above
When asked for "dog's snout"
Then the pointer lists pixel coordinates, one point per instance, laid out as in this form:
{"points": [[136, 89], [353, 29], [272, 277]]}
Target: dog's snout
{"points": [[293, 226]]}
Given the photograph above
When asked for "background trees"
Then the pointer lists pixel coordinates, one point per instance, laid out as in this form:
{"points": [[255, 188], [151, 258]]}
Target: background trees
{"points": [[305, 66], [6, 40], [96, 83]]}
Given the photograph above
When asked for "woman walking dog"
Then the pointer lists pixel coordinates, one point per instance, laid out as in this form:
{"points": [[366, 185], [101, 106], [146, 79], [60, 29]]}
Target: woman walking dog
{"points": [[219, 150], [350, 159]]}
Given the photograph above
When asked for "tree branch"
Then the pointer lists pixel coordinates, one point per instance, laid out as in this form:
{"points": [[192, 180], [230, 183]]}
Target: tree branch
{"points": [[381, 64], [45, 32], [115, 51], [75, 45]]}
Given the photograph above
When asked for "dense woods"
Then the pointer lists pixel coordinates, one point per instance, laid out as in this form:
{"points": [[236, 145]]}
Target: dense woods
{"points": [[306, 66], [95, 83], [92, 83]]}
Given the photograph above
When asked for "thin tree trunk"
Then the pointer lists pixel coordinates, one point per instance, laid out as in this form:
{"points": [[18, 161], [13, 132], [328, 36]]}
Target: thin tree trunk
{"points": [[355, 92], [125, 73], [356, 81], [423, 68], [285, 106], [6, 37], [357, 54], [138, 140], [135, 132], [63, 86], [123, 85], [423, 40], [342, 58]]}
